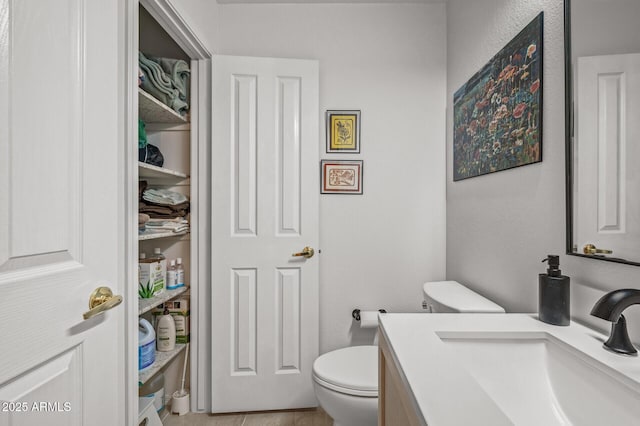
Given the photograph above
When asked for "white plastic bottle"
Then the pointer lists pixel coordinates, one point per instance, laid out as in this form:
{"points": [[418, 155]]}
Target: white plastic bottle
{"points": [[179, 273], [171, 276], [166, 332]]}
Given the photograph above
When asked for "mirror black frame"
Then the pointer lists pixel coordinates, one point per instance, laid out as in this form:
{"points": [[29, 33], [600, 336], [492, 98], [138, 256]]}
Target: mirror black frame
{"points": [[568, 135]]}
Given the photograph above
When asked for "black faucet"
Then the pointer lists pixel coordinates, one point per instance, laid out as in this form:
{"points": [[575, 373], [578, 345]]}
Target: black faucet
{"points": [[610, 307]]}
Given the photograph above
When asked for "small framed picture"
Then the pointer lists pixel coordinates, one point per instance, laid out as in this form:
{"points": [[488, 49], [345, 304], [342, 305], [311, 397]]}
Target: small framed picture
{"points": [[341, 176], [343, 131]]}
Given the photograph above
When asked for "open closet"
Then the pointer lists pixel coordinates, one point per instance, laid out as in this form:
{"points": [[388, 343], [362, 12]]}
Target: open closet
{"points": [[252, 130], [168, 128]]}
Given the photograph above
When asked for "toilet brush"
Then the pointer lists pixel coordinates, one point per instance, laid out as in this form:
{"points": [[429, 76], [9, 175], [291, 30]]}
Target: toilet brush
{"points": [[180, 402]]}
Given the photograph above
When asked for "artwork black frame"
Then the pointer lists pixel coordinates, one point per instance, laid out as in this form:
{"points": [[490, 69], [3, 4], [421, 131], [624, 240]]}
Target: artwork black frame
{"points": [[498, 111], [355, 131]]}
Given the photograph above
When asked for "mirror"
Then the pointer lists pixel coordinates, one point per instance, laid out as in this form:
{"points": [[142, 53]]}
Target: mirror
{"points": [[602, 66]]}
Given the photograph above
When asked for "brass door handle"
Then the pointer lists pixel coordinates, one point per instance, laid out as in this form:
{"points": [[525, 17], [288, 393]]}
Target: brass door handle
{"points": [[101, 300], [306, 252], [591, 249]]}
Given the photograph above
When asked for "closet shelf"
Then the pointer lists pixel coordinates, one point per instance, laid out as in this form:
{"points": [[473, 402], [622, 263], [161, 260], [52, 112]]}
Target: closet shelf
{"points": [[154, 235], [152, 110], [162, 359], [145, 305], [149, 171]]}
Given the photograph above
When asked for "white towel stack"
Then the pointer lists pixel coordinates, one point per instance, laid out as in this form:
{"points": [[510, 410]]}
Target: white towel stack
{"points": [[164, 225]]}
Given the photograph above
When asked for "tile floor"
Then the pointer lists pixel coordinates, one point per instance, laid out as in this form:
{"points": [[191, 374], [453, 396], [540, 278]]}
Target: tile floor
{"points": [[310, 417]]}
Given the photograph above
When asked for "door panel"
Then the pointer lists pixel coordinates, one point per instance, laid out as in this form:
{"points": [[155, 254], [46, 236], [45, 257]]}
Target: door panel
{"points": [[288, 155], [288, 327], [244, 162], [243, 346], [31, 392], [26, 57], [607, 153], [59, 210], [265, 207]]}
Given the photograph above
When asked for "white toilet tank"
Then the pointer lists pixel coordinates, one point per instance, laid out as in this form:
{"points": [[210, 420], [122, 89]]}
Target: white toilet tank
{"points": [[451, 296]]}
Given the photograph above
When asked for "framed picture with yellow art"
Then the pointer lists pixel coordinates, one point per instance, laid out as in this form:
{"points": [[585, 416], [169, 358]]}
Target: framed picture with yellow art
{"points": [[341, 177], [343, 131]]}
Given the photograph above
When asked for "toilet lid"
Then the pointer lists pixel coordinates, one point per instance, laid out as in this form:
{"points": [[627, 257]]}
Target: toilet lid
{"points": [[351, 370], [451, 296]]}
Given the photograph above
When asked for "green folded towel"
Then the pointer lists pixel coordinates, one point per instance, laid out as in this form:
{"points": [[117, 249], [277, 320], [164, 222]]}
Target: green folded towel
{"points": [[158, 84], [179, 73]]}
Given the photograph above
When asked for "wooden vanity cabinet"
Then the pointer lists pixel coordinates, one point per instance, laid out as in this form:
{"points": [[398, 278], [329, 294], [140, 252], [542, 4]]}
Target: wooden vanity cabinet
{"points": [[396, 406]]}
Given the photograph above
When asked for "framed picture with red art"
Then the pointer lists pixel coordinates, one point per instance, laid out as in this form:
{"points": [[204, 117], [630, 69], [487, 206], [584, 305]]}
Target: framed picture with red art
{"points": [[341, 176]]}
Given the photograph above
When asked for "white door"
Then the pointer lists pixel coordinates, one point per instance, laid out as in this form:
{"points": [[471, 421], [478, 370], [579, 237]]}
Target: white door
{"points": [[59, 212], [265, 208], [608, 154]]}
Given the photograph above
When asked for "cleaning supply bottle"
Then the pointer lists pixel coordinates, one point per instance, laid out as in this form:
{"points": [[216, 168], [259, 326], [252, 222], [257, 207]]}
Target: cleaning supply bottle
{"points": [[146, 344], [162, 260], [145, 283], [154, 388], [166, 332], [179, 273], [554, 294], [171, 276]]}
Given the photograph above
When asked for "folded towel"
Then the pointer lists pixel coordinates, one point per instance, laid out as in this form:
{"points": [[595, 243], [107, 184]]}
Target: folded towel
{"points": [[159, 85], [158, 222], [164, 197], [143, 218], [156, 81], [178, 71], [163, 212], [173, 225], [142, 186]]}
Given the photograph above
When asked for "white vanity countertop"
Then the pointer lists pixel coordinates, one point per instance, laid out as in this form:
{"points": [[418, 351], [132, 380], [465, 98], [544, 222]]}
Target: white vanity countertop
{"points": [[445, 393]]}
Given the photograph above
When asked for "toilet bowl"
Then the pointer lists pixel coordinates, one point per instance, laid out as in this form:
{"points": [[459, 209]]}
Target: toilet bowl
{"points": [[346, 385], [346, 380]]}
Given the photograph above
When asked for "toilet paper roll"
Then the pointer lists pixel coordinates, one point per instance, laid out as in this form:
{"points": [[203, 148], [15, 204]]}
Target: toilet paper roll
{"points": [[368, 319]]}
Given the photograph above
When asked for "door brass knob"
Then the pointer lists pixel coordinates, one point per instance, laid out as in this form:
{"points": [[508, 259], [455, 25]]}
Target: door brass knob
{"points": [[306, 252], [591, 249], [100, 301]]}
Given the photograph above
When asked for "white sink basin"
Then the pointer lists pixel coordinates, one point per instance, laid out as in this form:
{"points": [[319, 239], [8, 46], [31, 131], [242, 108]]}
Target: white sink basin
{"points": [[501, 369], [537, 379]]}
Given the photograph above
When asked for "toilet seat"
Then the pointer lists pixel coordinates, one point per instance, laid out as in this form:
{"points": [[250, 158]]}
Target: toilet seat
{"points": [[352, 370]]}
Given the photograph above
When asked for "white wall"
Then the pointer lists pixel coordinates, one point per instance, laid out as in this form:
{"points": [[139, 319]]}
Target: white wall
{"points": [[203, 18], [617, 27], [388, 61], [499, 226]]}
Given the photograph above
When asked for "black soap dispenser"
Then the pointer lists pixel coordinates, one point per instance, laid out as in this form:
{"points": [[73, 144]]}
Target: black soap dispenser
{"points": [[553, 297]]}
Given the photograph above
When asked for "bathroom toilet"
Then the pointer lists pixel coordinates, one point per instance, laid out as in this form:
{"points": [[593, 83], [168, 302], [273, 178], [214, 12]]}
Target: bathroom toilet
{"points": [[346, 380], [451, 296]]}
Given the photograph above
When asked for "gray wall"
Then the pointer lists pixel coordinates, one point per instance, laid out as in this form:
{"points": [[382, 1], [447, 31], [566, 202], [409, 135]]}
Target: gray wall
{"points": [[499, 226]]}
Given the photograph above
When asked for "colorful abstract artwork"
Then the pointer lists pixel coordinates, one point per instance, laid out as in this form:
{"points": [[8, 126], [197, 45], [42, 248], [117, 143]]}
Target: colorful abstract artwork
{"points": [[497, 114]]}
